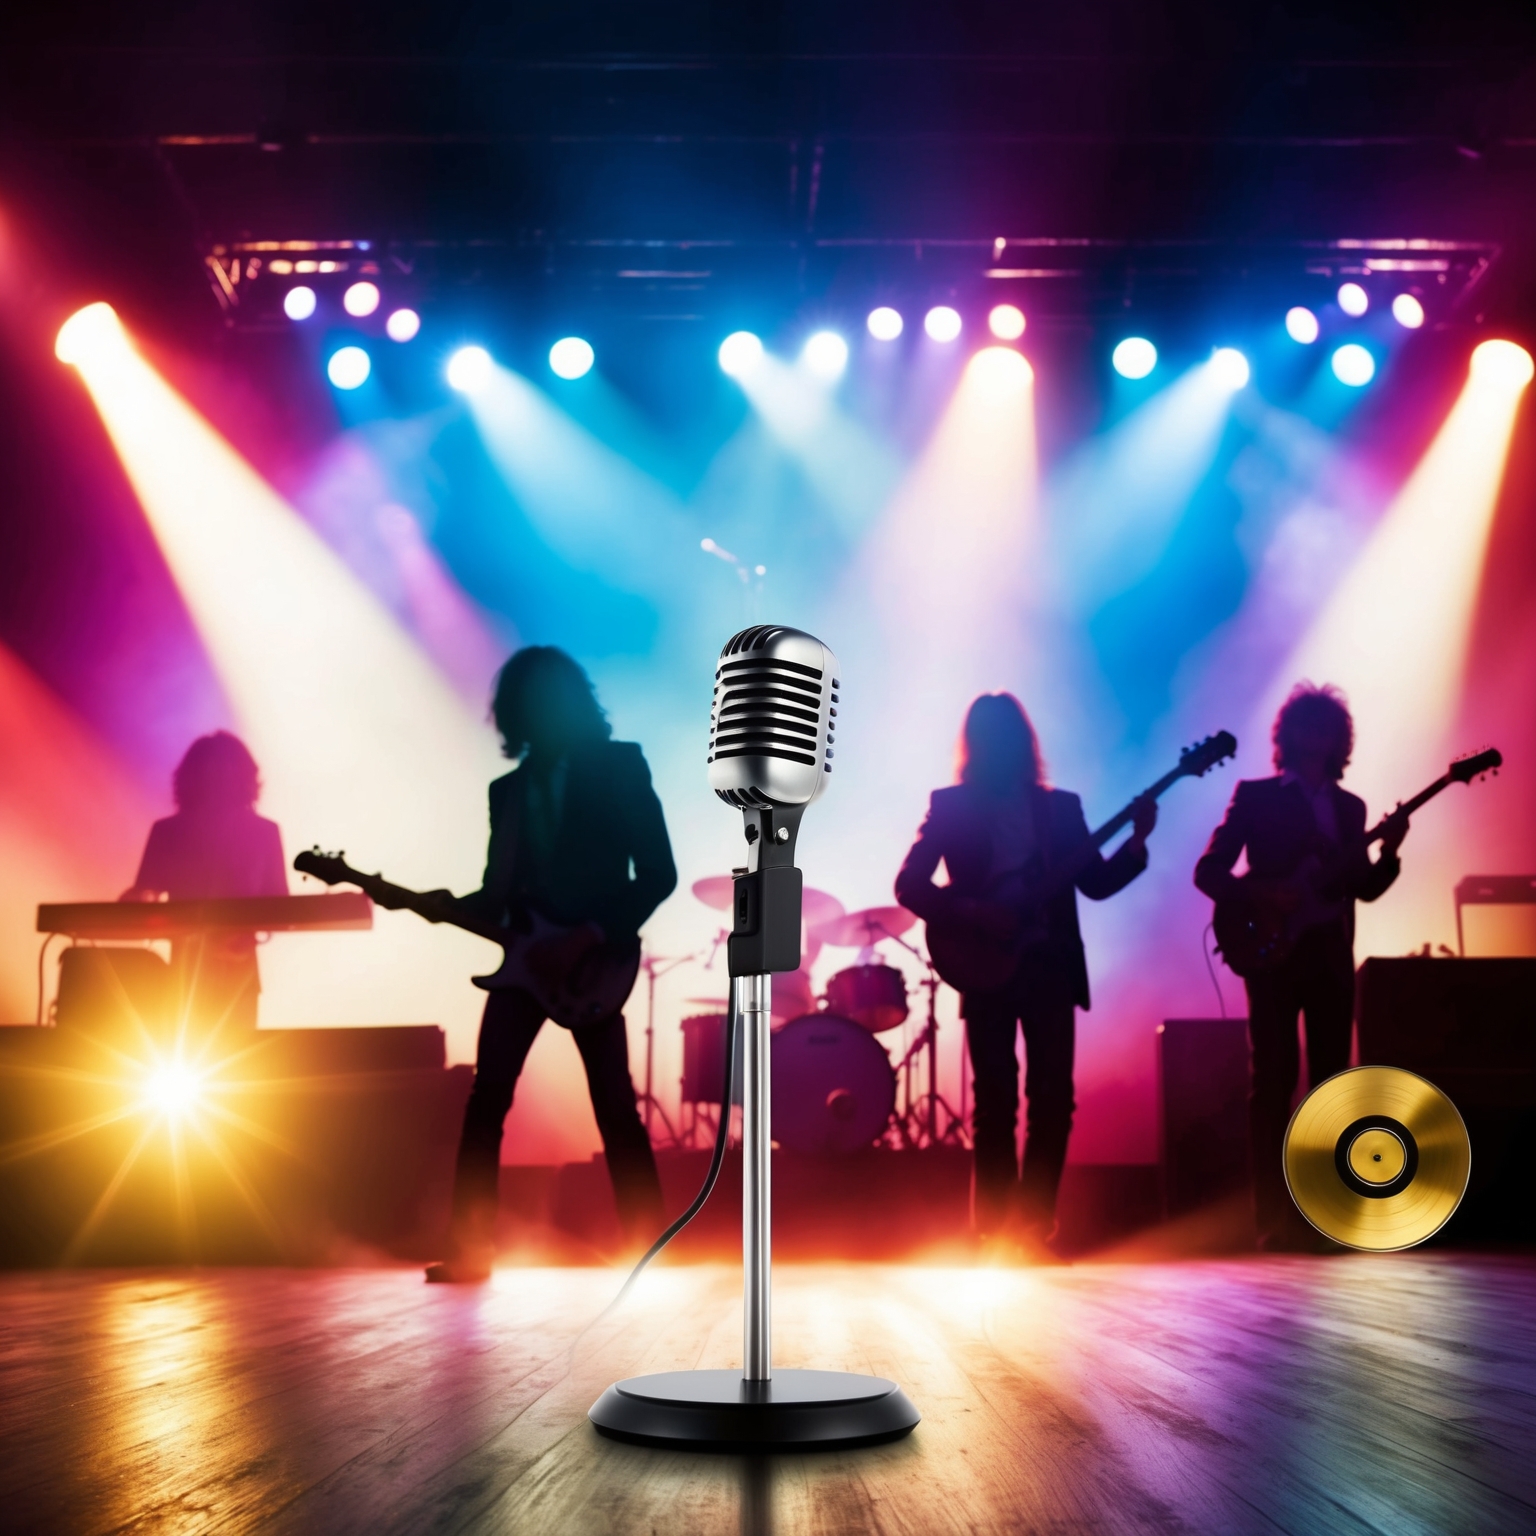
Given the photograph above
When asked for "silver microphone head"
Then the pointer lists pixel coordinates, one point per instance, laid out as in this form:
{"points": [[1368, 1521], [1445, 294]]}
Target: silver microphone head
{"points": [[774, 718]]}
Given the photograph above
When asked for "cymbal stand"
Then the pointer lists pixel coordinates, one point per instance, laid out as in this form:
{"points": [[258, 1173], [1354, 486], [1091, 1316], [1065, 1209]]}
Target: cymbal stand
{"points": [[654, 966], [929, 1134]]}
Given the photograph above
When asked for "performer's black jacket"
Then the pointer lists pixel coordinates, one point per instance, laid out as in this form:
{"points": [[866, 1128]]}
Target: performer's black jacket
{"points": [[956, 830], [611, 862], [1272, 820]]}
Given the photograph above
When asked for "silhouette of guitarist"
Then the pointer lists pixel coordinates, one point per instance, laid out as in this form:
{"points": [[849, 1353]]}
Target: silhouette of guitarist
{"points": [[999, 832], [577, 833], [1306, 847]]}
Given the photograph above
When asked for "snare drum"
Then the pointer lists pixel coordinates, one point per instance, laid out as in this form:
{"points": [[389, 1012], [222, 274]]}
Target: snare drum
{"points": [[872, 995], [833, 1085]]}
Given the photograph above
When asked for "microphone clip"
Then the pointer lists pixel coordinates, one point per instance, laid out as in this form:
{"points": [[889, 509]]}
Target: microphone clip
{"points": [[765, 933]]}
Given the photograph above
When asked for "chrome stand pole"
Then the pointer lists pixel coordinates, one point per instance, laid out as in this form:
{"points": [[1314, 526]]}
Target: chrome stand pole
{"points": [[754, 996]]}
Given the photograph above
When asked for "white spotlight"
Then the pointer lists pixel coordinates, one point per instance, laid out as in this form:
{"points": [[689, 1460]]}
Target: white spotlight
{"points": [[348, 368], [739, 353], [1134, 358], [469, 369], [172, 1089], [1407, 311], [1006, 322], [88, 333], [885, 323], [1504, 363], [1353, 365], [1231, 367], [1301, 325], [1353, 299], [402, 325], [826, 355], [942, 323], [571, 357], [360, 299], [299, 302]]}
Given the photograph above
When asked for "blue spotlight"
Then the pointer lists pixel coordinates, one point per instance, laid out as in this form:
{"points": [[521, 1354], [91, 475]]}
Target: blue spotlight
{"points": [[1353, 365], [299, 302], [1407, 311], [571, 357], [826, 355], [740, 352], [1353, 300], [469, 369], [1134, 358], [885, 323], [1301, 325], [942, 323], [348, 367], [1231, 367]]}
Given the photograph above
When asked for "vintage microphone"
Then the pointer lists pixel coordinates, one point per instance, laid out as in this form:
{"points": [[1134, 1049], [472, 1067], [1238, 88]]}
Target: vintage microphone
{"points": [[772, 730]]}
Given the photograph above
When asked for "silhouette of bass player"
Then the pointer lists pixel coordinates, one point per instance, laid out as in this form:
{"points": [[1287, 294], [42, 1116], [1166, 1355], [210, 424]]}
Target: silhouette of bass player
{"points": [[214, 847], [578, 835], [1000, 832], [1299, 821]]}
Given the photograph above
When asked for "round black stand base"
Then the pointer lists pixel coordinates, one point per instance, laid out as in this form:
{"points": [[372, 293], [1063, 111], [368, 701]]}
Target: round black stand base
{"points": [[718, 1411]]}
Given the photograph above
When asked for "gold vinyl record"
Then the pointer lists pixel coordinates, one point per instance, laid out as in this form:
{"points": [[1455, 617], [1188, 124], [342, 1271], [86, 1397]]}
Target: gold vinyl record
{"points": [[1377, 1158]]}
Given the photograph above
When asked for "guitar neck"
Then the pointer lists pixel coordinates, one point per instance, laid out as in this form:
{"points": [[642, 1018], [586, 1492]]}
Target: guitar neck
{"points": [[1122, 817], [387, 894], [1408, 807]]}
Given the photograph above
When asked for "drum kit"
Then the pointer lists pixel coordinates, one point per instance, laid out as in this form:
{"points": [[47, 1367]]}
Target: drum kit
{"points": [[835, 1085]]}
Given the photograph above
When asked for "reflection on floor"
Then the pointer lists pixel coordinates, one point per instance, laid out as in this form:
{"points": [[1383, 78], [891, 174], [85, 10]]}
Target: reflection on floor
{"points": [[1350, 1393]]}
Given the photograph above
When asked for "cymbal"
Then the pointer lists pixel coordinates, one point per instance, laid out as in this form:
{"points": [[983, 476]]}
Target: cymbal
{"points": [[1377, 1159], [718, 891], [858, 930], [715, 891]]}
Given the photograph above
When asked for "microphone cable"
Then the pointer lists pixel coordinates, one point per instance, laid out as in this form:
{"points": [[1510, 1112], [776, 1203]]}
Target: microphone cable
{"points": [[722, 1136]]}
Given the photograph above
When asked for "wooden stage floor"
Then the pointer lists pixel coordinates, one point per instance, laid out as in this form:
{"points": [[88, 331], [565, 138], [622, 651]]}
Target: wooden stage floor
{"points": [[1347, 1394]]}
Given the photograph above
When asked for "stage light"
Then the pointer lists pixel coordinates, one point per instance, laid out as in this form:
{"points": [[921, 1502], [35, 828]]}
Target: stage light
{"points": [[739, 353], [88, 334], [1353, 299], [402, 325], [826, 355], [1134, 358], [942, 323], [1502, 363], [1231, 367], [299, 302], [885, 323], [360, 299], [571, 357], [1407, 311], [172, 1089], [1001, 368], [1006, 322], [469, 369], [348, 368], [1353, 365], [1301, 325]]}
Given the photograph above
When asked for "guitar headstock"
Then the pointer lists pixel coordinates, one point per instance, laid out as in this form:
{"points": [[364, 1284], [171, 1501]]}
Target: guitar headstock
{"points": [[1465, 769], [331, 868], [1205, 755]]}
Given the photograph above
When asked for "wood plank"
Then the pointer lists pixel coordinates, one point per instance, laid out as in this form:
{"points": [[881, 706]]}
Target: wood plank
{"points": [[1355, 1394]]}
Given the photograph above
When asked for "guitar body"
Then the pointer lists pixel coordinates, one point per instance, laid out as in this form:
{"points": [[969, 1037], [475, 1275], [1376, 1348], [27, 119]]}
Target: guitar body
{"points": [[1252, 932], [969, 960], [597, 985]]}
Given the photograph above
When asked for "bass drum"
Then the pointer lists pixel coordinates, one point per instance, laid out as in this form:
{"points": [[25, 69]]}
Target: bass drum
{"points": [[833, 1085]]}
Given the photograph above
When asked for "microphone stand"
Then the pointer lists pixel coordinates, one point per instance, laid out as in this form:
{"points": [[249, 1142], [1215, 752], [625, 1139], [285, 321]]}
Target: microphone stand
{"points": [[758, 1410]]}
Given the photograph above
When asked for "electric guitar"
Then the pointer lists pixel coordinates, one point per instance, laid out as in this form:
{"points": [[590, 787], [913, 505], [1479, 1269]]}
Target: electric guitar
{"points": [[972, 960], [1258, 925], [597, 985]]}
